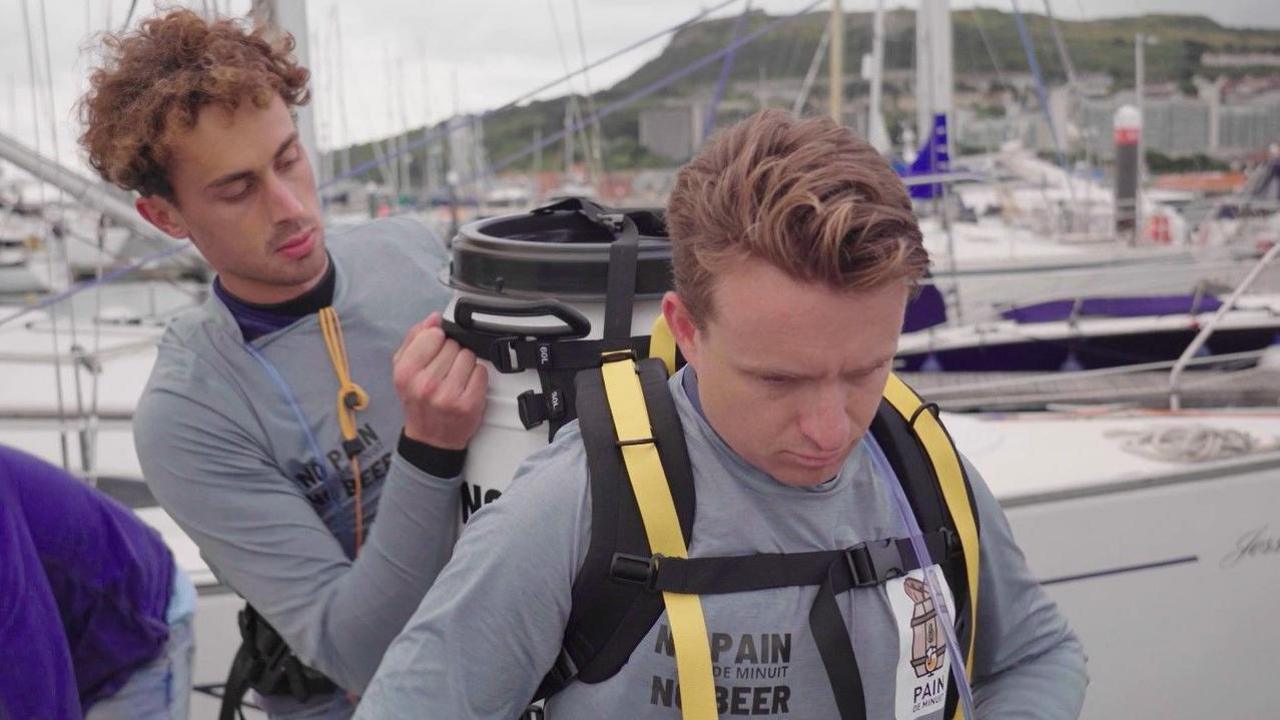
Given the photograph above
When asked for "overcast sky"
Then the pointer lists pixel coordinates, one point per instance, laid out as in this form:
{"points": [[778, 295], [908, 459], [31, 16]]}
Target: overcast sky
{"points": [[400, 58]]}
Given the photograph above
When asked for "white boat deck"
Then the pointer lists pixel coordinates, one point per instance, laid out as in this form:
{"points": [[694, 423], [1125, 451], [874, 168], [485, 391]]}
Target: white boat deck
{"points": [[1038, 457]]}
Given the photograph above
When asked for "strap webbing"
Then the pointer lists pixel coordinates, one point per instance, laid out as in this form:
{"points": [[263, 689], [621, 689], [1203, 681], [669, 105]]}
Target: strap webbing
{"points": [[620, 295], [951, 479], [835, 647], [351, 398], [662, 527], [239, 680], [863, 565]]}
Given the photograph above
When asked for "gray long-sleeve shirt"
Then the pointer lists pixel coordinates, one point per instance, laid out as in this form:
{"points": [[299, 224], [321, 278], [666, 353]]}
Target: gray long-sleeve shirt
{"points": [[241, 445], [492, 624]]}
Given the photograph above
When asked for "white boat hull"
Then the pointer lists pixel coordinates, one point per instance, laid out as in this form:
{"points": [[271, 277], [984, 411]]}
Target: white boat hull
{"points": [[1168, 572]]}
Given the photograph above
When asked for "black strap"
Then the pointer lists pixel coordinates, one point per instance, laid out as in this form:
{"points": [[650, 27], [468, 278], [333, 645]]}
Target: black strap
{"points": [[556, 361], [863, 565], [621, 287], [831, 635], [513, 354], [265, 663], [833, 571], [239, 679], [609, 618], [826, 624]]}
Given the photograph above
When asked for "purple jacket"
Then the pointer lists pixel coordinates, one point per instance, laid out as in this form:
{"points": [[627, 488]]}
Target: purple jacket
{"points": [[84, 587]]}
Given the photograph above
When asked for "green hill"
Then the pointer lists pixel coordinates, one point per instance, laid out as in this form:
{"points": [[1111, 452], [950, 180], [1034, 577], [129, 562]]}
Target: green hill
{"points": [[1097, 46]]}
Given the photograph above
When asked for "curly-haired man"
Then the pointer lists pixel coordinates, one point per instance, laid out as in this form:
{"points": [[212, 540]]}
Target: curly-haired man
{"points": [[238, 431]]}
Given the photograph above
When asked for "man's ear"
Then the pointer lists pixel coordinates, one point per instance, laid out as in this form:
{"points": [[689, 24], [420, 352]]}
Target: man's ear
{"points": [[163, 214], [683, 329]]}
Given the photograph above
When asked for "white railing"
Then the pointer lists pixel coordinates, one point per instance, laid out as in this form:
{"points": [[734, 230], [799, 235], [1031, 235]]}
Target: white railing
{"points": [[1175, 376]]}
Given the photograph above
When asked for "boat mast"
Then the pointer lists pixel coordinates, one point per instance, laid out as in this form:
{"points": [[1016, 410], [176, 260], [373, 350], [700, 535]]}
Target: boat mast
{"points": [[291, 16], [876, 133], [83, 191], [933, 65], [836, 63]]}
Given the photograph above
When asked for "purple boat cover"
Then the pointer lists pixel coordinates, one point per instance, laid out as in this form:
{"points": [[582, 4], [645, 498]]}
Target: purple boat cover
{"points": [[1116, 307]]}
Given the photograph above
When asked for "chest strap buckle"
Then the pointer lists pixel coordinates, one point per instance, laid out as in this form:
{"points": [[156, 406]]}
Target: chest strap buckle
{"points": [[872, 563], [635, 569]]}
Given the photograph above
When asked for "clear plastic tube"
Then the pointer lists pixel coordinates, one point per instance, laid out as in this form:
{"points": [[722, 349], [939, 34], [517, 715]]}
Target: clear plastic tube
{"points": [[883, 470]]}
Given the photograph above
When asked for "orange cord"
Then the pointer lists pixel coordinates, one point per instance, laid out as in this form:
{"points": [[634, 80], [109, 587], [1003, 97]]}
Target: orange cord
{"points": [[351, 398]]}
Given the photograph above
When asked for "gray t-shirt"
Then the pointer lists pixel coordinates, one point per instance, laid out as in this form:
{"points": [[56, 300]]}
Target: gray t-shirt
{"points": [[240, 443], [492, 624]]}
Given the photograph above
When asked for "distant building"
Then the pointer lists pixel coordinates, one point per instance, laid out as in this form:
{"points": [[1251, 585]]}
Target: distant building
{"points": [[1239, 60], [1172, 125], [1177, 125], [1248, 127]]}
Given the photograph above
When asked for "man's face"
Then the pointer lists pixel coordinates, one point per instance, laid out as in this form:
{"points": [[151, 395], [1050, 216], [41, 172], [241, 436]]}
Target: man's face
{"points": [[790, 374], [245, 195]]}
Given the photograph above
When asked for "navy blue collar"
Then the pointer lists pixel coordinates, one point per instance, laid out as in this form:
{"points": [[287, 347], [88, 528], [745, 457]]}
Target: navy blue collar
{"points": [[256, 320]]}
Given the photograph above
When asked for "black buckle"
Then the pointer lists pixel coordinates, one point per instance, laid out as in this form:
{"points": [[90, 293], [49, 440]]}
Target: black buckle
{"points": [[874, 562], [535, 407], [503, 354], [635, 569], [951, 541], [533, 412]]}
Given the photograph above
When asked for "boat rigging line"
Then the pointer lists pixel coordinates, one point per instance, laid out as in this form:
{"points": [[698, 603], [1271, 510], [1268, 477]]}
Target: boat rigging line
{"points": [[709, 123], [1175, 376], [35, 119], [815, 64], [1028, 45], [573, 112], [364, 167], [597, 147], [991, 53], [658, 84]]}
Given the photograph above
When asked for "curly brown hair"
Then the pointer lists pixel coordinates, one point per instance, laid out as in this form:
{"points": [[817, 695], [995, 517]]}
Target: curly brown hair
{"points": [[807, 196], [156, 80]]}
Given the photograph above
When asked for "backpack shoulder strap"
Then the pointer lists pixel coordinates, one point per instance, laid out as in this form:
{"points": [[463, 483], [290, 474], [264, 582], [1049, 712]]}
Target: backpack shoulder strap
{"points": [[611, 612], [927, 464]]}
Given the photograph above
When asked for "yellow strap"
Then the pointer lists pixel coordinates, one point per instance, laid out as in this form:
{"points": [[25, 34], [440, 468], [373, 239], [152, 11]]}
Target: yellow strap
{"points": [[662, 527], [946, 463], [662, 344], [331, 328]]}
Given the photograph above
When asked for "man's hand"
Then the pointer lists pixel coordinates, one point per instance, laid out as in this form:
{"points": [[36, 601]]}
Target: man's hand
{"points": [[440, 385]]}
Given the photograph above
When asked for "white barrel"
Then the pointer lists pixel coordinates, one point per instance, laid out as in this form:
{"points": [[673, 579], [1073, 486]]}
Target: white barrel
{"points": [[561, 256]]}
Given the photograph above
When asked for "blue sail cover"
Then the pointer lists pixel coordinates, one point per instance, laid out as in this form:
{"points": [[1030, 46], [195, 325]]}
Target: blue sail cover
{"points": [[934, 159]]}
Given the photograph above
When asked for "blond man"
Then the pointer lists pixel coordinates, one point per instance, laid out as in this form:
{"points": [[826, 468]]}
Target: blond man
{"points": [[795, 251]]}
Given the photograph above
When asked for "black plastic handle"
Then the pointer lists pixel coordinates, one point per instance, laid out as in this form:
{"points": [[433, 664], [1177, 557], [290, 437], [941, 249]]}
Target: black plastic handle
{"points": [[574, 323]]}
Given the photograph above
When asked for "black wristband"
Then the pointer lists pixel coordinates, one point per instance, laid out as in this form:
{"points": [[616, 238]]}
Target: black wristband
{"points": [[431, 459]]}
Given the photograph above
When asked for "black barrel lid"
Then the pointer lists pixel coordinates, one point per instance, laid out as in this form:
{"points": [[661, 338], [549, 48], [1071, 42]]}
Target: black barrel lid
{"points": [[559, 250]]}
